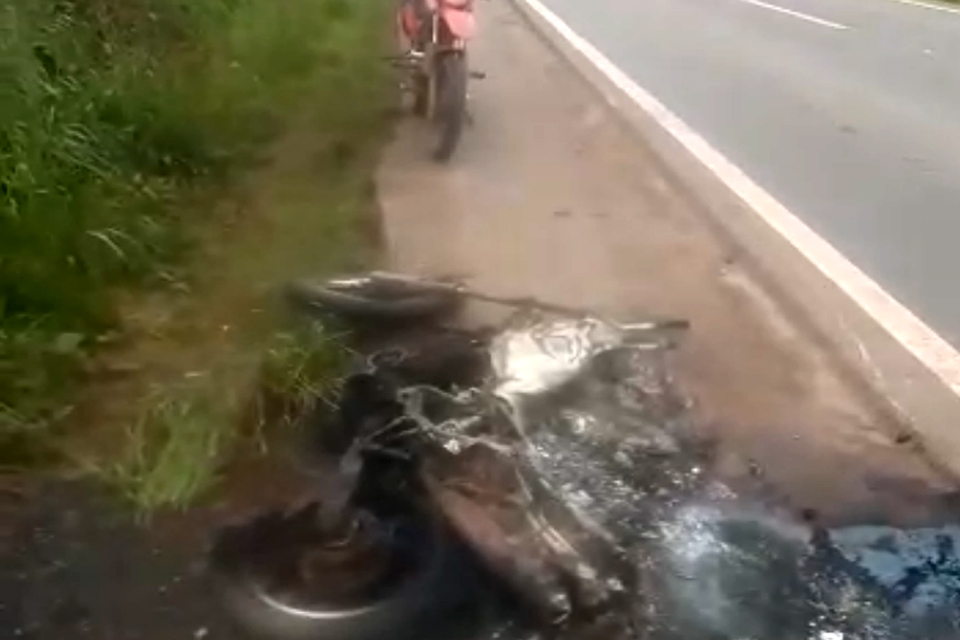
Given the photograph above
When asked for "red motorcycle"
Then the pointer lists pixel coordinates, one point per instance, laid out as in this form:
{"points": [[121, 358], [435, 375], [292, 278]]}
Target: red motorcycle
{"points": [[434, 35]]}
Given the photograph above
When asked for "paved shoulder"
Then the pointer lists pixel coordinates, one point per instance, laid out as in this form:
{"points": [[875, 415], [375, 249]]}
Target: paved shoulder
{"points": [[552, 195]]}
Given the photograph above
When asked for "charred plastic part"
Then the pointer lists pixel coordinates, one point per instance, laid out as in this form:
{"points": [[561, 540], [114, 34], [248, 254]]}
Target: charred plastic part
{"points": [[479, 497]]}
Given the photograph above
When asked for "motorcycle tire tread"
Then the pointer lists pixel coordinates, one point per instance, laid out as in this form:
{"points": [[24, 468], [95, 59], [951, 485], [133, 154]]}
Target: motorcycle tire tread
{"points": [[315, 297], [452, 103]]}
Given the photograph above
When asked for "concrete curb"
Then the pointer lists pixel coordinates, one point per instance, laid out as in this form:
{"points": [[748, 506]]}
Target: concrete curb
{"points": [[875, 365]]}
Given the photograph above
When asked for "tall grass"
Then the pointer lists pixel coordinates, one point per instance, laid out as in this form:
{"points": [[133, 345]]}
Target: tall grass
{"points": [[174, 451], [110, 112], [187, 430]]}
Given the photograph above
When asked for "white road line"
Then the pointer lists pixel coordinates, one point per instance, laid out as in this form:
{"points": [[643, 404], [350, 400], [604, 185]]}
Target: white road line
{"points": [[905, 327], [797, 14], [930, 5]]}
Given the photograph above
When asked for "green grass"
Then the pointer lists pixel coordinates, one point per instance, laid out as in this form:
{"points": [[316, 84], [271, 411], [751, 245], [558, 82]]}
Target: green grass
{"points": [[113, 115], [187, 431], [300, 367], [173, 452]]}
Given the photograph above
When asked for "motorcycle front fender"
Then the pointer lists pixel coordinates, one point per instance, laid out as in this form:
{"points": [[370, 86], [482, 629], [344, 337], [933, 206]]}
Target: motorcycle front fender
{"points": [[462, 23]]}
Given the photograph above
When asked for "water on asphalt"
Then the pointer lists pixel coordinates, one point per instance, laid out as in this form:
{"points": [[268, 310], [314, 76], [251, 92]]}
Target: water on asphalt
{"points": [[720, 564]]}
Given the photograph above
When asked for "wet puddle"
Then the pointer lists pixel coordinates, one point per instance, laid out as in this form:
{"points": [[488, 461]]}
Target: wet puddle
{"points": [[715, 565]]}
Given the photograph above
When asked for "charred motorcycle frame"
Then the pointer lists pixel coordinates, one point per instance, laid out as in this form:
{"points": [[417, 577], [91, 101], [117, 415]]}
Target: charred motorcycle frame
{"points": [[434, 451]]}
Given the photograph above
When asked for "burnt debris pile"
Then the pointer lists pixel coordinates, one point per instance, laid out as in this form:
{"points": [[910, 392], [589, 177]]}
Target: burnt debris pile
{"points": [[541, 480]]}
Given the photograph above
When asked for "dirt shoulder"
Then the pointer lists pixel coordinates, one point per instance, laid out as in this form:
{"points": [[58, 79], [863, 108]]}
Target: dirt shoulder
{"points": [[76, 561], [553, 194]]}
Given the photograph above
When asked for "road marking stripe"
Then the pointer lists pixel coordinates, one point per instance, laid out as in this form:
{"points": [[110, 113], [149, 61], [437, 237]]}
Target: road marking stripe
{"points": [[929, 5], [797, 14], [905, 327]]}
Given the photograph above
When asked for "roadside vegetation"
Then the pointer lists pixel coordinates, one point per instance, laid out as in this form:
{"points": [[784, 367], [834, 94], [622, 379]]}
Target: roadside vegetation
{"points": [[123, 124], [177, 443]]}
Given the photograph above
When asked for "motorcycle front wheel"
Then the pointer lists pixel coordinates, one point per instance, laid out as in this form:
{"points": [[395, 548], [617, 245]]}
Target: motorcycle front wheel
{"points": [[254, 573], [451, 102]]}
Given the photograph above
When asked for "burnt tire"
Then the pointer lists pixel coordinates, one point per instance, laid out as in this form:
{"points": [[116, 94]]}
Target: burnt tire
{"points": [[451, 103], [412, 609], [373, 302]]}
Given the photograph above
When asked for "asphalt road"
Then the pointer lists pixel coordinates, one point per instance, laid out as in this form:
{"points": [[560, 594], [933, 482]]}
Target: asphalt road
{"points": [[548, 198], [847, 111]]}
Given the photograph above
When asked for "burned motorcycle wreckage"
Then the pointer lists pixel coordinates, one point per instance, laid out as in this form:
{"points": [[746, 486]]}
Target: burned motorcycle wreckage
{"points": [[534, 481]]}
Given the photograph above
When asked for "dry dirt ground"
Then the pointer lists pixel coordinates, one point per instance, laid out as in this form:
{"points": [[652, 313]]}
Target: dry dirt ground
{"points": [[552, 195]]}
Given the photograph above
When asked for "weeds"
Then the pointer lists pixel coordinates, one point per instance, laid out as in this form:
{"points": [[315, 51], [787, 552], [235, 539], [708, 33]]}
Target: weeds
{"points": [[302, 367], [188, 431], [175, 450], [112, 113]]}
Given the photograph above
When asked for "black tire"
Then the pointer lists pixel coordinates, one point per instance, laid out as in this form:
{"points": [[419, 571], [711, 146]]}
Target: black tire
{"points": [[451, 102], [421, 91], [376, 302], [441, 583]]}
